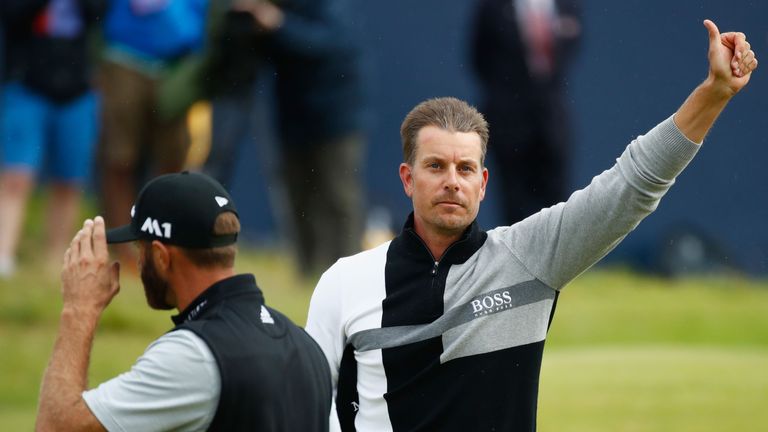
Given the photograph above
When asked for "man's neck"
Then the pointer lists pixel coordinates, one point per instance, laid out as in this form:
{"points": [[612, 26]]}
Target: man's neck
{"points": [[188, 285], [436, 242]]}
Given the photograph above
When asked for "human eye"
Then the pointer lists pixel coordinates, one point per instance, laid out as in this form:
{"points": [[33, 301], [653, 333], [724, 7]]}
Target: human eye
{"points": [[433, 165]]}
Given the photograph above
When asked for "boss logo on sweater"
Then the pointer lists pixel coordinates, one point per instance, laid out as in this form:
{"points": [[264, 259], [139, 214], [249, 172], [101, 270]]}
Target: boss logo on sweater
{"points": [[491, 303]]}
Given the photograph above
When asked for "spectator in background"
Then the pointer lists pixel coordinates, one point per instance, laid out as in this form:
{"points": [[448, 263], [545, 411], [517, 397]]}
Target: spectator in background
{"points": [[147, 44], [320, 122], [520, 51], [48, 114], [235, 57]]}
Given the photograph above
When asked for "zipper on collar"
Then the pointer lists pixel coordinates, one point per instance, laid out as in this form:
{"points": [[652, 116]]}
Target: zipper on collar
{"points": [[436, 263], [435, 287], [426, 248]]}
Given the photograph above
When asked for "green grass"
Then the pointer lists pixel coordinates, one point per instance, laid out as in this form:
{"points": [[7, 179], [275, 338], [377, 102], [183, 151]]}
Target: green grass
{"points": [[626, 352], [654, 388], [619, 307], [635, 353]]}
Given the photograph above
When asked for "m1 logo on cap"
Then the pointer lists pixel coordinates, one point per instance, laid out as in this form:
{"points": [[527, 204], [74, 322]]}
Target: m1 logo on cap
{"points": [[152, 226]]}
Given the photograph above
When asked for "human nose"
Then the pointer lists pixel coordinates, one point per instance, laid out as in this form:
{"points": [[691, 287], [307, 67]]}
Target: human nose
{"points": [[452, 180]]}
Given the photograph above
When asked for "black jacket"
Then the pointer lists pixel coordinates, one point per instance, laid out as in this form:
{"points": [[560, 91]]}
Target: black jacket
{"points": [[274, 377], [47, 55]]}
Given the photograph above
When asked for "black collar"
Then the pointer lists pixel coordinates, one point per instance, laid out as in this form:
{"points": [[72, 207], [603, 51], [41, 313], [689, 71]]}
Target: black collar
{"points": [[457, 253], [225, 288]]}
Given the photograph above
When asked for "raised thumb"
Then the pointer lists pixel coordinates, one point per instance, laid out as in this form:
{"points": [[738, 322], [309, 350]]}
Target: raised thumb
{"points": [[714, 33]]}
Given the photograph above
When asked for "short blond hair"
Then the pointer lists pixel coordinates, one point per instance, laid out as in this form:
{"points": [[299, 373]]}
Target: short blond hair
{"points": [[447, 113], [226, 223]]}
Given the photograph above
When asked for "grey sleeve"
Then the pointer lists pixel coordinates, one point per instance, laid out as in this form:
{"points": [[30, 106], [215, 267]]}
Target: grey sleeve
{"points": [[174, 385], [559, 243]]}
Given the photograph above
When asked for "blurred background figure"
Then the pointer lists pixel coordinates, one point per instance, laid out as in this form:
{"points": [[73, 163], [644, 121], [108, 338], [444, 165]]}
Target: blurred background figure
{"points": [[320, 117], [520, 51], [147, 46], [235, 59], [48, 116]]}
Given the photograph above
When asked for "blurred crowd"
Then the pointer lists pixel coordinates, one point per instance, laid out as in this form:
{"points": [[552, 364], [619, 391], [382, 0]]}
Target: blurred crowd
{"points": [[98, 92]]}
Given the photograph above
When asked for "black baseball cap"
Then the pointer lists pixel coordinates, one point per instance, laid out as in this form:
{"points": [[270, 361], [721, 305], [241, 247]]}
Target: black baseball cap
{"points": [[178, 209]]}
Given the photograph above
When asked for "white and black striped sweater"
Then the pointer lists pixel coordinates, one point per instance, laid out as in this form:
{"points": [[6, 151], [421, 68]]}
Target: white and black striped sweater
{"points": [[456, 345]]}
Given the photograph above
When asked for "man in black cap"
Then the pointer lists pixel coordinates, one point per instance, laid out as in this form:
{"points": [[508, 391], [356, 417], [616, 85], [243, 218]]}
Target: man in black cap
{"points": [[230, 363]]}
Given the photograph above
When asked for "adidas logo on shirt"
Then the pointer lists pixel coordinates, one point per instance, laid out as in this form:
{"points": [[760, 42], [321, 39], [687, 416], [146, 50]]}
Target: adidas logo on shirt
{"points": [[266, 318]]}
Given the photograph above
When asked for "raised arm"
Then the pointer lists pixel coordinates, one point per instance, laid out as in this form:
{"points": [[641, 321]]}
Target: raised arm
{"points": [[89, 283], [559, 243], [731, 62]]}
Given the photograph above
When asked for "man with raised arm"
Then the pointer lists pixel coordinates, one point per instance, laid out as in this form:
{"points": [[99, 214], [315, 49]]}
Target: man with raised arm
{"points": [[443, 328]]}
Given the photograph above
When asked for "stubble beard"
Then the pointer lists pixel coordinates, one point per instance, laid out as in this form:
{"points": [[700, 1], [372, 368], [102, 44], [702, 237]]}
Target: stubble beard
{"points": [[155, 288], [452, 223]]}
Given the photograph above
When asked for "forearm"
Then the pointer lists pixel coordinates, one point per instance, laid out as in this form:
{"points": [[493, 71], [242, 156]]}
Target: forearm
{"points": [[61, 404], [559, 243], [699, 112]]}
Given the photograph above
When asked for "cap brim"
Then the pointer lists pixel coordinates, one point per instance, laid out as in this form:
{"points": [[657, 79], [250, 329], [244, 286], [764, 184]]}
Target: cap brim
{"points": [[121, 234]]}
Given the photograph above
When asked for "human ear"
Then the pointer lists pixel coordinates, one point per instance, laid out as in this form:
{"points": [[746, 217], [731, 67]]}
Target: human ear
{"points": [[406, 177], [485, 183]]}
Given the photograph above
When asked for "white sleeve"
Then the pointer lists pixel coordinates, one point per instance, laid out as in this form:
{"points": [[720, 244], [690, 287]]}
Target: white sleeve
{"points": [[174, 385], [324, 324]]}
